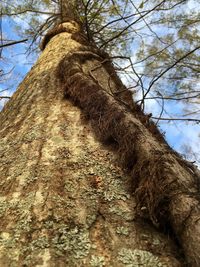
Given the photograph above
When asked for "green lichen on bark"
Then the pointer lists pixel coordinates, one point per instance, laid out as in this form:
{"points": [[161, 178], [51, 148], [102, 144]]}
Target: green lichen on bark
{"points": [[137, 258], [97, 261]]}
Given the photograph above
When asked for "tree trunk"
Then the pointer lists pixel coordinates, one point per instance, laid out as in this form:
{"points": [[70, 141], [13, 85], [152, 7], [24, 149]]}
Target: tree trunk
{"points": [[68, 11], [65, 200]]}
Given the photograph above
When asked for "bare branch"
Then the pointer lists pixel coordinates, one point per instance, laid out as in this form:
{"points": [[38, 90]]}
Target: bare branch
{"points": [[6, 97], [28, 11], [162, 108], [131, 24], [170, 97], [13, 43], [176, 119], [169, 68]]}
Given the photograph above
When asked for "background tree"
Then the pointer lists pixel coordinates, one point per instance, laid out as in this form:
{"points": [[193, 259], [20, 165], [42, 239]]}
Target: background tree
{"points": [[63, 192]]}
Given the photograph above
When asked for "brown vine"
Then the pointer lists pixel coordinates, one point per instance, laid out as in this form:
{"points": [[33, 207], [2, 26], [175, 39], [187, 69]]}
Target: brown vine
{"points": [[114, 122]]}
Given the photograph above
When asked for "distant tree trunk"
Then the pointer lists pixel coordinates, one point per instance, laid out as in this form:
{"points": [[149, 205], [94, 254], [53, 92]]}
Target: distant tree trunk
{"points": [[65, 200]]}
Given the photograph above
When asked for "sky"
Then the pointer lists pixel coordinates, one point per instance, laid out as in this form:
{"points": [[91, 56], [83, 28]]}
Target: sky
{"points": [[179, 134], [14, 61]]}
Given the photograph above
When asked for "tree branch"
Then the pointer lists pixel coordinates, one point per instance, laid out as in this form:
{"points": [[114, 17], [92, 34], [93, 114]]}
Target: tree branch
{"points": [[13, 43], [169, 68], [175, 119]]}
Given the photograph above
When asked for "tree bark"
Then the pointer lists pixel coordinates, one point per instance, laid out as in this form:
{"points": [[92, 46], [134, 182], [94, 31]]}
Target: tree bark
{"points": [[64, 199], [68, 11], [167, 187]]}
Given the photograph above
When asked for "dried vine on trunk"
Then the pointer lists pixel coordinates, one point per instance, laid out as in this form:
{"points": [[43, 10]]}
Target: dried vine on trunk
{"points": [[165, 187]]}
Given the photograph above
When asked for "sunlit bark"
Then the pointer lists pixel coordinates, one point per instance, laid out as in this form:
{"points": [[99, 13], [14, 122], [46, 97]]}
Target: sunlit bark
{"points": [[64, 199]]}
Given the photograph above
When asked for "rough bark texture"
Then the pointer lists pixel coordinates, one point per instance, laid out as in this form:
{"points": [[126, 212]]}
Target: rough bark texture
{"points": [[165, 186], [64, 200], [68, 10]]}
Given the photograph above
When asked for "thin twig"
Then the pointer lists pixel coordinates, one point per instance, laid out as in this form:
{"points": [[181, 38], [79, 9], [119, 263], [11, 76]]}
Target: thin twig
{"points": [[131, 24], [7, 97], [169, 68], [175, 119], [13, 43], [162, 108]]}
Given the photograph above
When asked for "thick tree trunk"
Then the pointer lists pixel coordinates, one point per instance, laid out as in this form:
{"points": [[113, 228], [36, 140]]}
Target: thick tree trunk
{"points": [[167, 187], [64, 199]]}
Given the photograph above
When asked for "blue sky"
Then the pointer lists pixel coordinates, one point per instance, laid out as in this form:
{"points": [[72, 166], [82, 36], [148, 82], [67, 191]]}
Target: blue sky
{"points": [[13, 58]]}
